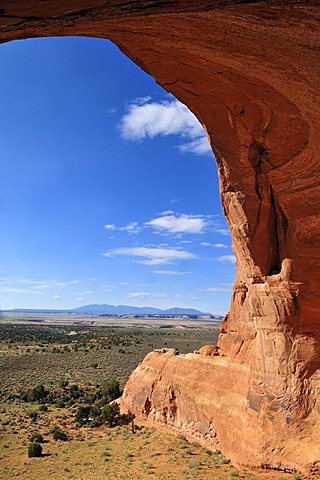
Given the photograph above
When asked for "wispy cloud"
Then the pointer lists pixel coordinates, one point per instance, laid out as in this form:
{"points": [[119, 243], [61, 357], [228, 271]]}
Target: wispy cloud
{"points": [[34, 286], [217, 289], [169, 272], [110, 226], [146, 295], [198, 146], [149, 119], [152, 255], [156, 295], [214, 245], [23, 291], [132, 227], [171, 222], [223, 231], [226, 259]]}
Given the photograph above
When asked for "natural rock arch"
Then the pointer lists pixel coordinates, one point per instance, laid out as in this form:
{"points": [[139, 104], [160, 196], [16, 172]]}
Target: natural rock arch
{"points": [[249, 70]]}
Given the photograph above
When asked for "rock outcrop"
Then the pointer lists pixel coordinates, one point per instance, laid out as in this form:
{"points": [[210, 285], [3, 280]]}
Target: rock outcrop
{"points": [[250, 71]]}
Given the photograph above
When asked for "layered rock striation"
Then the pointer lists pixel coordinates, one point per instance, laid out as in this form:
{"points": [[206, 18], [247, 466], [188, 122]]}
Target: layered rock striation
{"points": [[249, 70]]}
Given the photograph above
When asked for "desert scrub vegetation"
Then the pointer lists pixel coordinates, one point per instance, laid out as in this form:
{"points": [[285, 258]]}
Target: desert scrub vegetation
{"points": [[61, 378], [47, 354], [34, 450], [104, 453]]}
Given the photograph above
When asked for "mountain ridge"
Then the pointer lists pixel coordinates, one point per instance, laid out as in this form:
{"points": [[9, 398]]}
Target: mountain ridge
{"points": [[106, 309]]}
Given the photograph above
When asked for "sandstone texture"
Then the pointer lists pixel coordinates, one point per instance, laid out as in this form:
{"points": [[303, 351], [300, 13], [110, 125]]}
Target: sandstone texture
{"points": [[208, 350], [250, 71]]}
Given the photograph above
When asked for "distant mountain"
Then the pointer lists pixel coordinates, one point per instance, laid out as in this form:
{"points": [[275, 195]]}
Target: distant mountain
{"points": [[183, 311], [97, 309], [130, 310], [105, 309]]}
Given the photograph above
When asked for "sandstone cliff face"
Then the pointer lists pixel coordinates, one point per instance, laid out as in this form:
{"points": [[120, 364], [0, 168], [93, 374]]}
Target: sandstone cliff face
{"points": [[250, 73]]}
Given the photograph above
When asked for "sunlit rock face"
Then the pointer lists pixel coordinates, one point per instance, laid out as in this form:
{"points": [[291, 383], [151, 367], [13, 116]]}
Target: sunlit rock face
{"points": [[250, 72]]}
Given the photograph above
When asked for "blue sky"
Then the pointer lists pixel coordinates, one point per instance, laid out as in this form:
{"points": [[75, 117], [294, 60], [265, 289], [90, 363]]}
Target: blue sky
{"points": [[109, 191]]}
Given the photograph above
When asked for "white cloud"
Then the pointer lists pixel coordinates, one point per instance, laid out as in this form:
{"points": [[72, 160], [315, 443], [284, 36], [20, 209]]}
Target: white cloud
{"points": [[132, 227], [199, 146], [57, 297], [223, 231], [214, 245], [226, 259], [169, 272], [152, 255], [146, 295], [173, 223], [149, 119], [167, 212], [141, 100], [36, 285], [19, 291], [217, 289]]}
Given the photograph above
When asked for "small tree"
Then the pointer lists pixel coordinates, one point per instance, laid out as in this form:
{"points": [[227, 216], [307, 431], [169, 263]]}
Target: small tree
{"points": [[63, 383], [58, 434], [111, 414], [83, 414], [111, 390], [36, 437], [34, 450], [37, 394]]}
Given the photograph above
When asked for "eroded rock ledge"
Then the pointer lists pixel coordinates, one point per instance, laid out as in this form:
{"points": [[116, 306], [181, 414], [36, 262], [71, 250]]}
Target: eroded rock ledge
{"points": [[250, 72]]}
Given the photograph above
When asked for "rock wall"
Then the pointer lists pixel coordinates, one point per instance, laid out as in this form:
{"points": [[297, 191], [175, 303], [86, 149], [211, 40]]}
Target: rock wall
{"points": [[249, 70]]}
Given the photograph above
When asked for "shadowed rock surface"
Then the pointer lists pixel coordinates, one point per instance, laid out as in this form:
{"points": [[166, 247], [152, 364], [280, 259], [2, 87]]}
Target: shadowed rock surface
{"points": [[250, 71]]}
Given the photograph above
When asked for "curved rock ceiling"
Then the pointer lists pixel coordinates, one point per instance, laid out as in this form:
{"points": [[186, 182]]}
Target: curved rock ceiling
{"points": [[250, 72]]}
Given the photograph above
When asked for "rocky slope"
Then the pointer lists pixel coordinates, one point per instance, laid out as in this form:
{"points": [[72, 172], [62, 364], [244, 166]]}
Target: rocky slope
{"points": [[249, 70]]}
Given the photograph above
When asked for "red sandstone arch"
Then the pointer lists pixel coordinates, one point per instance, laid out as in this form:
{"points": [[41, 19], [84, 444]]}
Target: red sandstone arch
{"points": [[249, 70]]}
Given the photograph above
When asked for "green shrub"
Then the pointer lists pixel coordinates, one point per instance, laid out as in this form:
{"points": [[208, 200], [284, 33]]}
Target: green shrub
{"points": [[83, 414], [37, 394], [110, 414], [33, 414], [24, 396], [234, 473], [63, 383], [34, 450], [111, 390], [36, 437], [58, 434]]}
